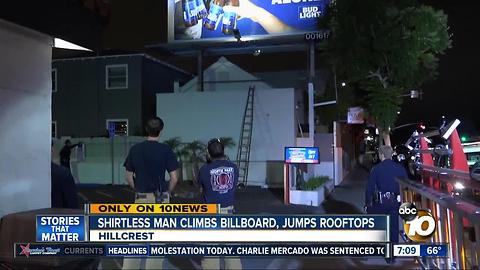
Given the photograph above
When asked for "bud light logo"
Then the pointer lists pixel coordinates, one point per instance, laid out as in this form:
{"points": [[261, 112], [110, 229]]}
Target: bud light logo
{"points": [[310, 12], [419, 225]]}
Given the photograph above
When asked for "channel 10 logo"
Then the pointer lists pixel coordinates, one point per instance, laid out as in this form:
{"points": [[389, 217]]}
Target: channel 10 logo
{"points": [[419, 225]]}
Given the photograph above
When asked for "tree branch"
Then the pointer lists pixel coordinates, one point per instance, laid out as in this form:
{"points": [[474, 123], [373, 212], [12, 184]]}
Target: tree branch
{"points": [[378, 75]]}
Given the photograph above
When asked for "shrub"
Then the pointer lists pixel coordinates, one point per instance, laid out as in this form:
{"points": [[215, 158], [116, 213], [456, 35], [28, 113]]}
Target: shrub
{"points": [[315, 182]]}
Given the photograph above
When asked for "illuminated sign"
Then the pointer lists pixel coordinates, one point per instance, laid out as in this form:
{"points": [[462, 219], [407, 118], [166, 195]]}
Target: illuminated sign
{"points": [[299, 155], [355, 115], [216, 19]]}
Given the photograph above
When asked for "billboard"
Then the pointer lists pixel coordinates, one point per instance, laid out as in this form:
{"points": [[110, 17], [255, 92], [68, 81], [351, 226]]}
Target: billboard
{"points": [[216, 19], [302, 155]]}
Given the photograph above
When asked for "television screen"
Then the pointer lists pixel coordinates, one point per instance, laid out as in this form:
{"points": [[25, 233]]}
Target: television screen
{"points": [[302, 155]]}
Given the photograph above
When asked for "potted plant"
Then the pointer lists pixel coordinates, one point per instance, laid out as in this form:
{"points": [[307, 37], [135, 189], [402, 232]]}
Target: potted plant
{"points": [[311, 192]]}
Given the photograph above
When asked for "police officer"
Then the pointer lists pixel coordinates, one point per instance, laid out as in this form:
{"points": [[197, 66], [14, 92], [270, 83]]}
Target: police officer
{"points": [[66, 152], [63, 188], [218, 179], [145, 166], [383, 192]]}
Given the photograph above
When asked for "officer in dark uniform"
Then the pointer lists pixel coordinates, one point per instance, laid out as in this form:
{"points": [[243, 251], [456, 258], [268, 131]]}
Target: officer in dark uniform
{"points": [[218, 180], [66, 152], [383, 191], [63, 188]]}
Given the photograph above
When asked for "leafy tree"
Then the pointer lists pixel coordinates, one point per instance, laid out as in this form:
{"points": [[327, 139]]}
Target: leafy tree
{"points": [[385, 48]]}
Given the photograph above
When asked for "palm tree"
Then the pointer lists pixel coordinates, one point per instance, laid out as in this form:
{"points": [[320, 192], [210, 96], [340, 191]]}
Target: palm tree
{"points": [[195, 156], [227, 142], [178, 148], [175, 144]]}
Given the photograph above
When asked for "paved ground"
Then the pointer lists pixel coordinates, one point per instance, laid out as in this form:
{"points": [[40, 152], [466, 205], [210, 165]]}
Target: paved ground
{"points": [[345, 199]]}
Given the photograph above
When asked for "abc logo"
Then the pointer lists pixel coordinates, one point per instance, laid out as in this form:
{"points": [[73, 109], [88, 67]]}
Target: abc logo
{"points": [[418, 224]]}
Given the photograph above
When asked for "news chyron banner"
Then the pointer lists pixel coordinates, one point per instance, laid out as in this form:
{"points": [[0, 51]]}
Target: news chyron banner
{"points": [[218, 19], [141, 230]]}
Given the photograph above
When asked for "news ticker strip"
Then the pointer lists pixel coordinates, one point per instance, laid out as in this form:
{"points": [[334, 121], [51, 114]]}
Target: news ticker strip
{"points": [[151, 208], [203, 250], [420, 250], [213, 228]]}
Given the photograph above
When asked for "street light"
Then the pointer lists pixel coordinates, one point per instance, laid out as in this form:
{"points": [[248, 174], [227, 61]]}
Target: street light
{"points": [[413, 94]]}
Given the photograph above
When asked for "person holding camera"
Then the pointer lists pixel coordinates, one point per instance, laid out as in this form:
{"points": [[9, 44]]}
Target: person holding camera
{"points": [[66, 152]]}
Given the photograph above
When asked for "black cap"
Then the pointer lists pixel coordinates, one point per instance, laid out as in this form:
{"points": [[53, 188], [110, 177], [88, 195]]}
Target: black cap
{"points": [[215, 148]]}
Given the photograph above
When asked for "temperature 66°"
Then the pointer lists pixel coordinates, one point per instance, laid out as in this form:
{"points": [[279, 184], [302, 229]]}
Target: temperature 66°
{"points": [[433, 250]]}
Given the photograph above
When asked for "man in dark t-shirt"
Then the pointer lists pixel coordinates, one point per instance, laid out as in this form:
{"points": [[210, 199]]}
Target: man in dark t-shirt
{"points": [[149, 160], [147, 163], [218, 180], [145, 166]]}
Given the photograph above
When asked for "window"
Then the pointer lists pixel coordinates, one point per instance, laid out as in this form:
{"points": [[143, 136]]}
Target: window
{"points": [[117, 127], [54, 80], [116, 76], [54, 129]]}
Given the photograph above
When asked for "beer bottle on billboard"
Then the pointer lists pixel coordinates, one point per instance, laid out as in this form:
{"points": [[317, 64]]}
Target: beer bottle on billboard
{"points": [[229, 21], [201, 9], [214, 14], [190, 17]]}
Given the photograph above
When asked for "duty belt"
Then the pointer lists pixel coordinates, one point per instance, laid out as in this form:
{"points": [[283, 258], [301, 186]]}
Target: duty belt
{"points": [[387, 196], [159, 197], [141, 195], [226, 210]]}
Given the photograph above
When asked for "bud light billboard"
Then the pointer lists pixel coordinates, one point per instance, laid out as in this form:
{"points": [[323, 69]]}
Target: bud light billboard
{"points": [[302, 155], [217, 19]]}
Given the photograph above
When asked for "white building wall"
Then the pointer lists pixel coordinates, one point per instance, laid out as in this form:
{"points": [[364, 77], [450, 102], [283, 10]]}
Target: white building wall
{"points": [[205, 115], [224, 76], [25, 119]]}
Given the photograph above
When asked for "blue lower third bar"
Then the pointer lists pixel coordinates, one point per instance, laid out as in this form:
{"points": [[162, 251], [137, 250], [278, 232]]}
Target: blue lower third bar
{"points": [[127, 250], [433, 250]]}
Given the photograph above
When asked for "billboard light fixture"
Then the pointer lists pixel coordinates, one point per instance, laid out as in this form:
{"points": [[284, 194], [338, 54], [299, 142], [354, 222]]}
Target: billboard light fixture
{"points": [[237, 35], [450, 128]]}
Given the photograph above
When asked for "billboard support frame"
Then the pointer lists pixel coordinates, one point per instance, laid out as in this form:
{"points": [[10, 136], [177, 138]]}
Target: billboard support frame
{"points": [[200, 86]]}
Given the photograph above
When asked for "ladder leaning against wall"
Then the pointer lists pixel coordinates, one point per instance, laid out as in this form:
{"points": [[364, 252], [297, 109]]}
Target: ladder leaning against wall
{"points": [[245, 141]]}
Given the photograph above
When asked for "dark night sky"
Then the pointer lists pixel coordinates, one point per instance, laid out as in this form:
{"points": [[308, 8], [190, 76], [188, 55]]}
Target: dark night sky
{"points": [[134, 24], [455, 93]]}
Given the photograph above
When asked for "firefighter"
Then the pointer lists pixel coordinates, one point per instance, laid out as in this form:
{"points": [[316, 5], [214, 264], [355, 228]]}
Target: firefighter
{"points": [[218, 180]]}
